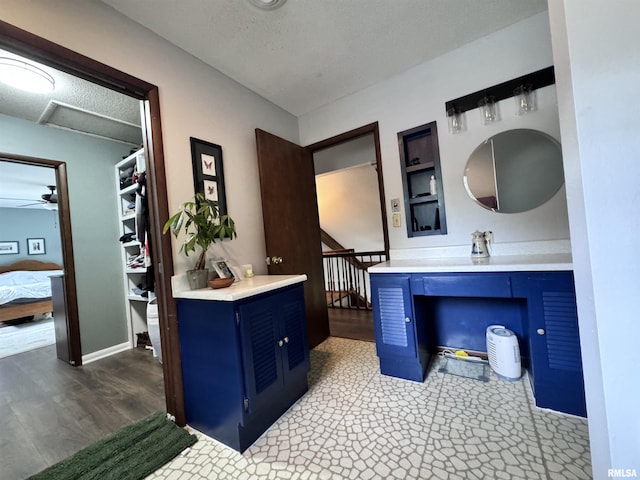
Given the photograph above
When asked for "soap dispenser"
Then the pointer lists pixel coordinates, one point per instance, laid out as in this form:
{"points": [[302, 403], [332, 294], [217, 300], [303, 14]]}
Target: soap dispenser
{"points": [[480, 244]]}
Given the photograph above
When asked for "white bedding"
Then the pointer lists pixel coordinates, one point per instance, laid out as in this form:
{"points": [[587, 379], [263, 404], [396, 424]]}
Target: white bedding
{"points": [[24, 284]]}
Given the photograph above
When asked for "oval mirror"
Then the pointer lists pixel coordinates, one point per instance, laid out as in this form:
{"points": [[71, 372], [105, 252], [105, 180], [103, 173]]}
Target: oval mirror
{"points": [[514, 171]]}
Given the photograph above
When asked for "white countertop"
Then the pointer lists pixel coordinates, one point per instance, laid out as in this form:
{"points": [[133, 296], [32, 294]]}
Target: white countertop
{"points": [[503, 263], [244, 288]]}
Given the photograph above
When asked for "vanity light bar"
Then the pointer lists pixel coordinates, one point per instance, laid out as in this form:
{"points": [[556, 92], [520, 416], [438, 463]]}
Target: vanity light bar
{"points": [[539, 79]]}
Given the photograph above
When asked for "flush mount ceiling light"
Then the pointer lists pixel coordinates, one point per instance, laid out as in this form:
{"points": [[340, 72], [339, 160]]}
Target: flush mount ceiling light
{"points": [[25, 76], [267, 4]]}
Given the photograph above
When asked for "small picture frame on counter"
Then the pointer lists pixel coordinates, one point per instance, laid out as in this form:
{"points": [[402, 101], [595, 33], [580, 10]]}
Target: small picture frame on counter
{"points": [[223, 269]]}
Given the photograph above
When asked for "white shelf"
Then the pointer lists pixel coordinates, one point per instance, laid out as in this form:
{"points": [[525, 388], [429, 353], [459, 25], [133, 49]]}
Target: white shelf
{"points": [[135, 270], [128, 190], [136, 304], [137, 298]]}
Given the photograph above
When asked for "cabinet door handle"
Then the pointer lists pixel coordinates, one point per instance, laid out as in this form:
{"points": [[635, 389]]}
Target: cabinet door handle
{"points": [[280, 343], [540, 331], [407, 320], [286, 339]]}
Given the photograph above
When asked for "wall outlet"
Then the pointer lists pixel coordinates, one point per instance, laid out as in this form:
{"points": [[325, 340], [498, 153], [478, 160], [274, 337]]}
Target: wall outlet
{"points": [[396, 220]]}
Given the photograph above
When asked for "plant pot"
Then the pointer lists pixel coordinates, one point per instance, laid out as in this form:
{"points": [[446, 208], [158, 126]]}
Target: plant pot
{"points": [[197, 278]]}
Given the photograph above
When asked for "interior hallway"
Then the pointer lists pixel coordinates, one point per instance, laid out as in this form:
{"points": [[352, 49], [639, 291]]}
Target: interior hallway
{"points": [[350, 323]]}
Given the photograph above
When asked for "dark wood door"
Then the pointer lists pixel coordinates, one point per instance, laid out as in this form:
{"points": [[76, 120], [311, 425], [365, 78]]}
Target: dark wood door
{"points": [[60, 321], [291, 224]]}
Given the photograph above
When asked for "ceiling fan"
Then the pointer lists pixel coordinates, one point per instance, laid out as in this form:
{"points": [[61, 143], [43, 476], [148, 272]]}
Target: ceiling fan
{"points": [[49, 200]]}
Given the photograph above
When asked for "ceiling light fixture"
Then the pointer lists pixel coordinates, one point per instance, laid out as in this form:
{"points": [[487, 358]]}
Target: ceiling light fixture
{"points": [[25, 76], [267, 4]]}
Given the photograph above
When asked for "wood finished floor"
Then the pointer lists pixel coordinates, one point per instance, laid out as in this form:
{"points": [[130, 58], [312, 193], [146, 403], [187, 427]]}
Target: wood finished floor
{"points": [[50, 410], [354, 324]]}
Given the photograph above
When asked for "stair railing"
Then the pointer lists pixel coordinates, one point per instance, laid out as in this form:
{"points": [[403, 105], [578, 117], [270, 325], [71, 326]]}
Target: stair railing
{"points": [[346, 279]]}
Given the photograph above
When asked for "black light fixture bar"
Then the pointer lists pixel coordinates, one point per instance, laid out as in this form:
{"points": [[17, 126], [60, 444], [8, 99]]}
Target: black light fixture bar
{"points": [[539, 79]]}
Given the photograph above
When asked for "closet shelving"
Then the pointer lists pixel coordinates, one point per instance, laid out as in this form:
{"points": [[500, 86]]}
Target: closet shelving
{"points": [[132, 251]]}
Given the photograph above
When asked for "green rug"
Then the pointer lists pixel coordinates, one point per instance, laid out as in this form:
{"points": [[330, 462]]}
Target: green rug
{"points": [[133, 452]]}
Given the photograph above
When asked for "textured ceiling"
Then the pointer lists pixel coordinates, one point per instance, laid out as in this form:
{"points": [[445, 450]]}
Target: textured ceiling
{"points": [[86, 107], [75, 105], [308, 53], [304, 55]]}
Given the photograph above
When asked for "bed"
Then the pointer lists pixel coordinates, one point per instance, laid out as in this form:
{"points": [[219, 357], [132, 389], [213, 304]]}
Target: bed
{"points": [[25, 288]]}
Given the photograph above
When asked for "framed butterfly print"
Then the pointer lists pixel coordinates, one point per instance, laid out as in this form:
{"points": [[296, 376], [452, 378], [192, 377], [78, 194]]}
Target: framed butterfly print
{"points": [[208, 176]]}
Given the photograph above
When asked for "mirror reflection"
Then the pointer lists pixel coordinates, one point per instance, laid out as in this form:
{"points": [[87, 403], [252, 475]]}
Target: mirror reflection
{"points": [[514, 171]]}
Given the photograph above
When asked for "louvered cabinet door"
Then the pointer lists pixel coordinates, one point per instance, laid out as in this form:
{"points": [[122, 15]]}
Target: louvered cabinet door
{"points": [[555, 343], [393, 316], [275, 348], [295, 345], [260, 336]]}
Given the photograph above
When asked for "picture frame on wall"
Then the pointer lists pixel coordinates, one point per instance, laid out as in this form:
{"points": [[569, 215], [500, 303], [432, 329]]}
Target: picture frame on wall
{"points": [[9, 248], [36, 246], [208, 175]]}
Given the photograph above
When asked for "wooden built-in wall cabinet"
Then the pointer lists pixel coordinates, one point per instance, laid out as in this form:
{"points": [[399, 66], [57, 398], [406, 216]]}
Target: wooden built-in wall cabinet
{"points": [[420, 164]]}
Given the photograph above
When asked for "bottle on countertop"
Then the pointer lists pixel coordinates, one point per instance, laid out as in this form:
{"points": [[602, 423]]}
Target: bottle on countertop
{"points": [[433, 189]]}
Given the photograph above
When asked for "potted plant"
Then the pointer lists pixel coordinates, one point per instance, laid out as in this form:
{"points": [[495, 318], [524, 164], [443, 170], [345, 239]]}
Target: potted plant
{"points": [[202, 224]]}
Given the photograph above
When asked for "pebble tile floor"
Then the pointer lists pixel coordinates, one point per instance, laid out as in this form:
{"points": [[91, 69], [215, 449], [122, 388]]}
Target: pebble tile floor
{"points": [[355, 423]]}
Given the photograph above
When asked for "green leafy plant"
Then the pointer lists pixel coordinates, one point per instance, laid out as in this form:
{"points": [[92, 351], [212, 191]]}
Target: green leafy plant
{"points": [[202, 224]]}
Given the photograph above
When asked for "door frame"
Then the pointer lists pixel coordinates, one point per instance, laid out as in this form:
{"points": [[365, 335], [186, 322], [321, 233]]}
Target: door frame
{"points": [[71, 302], [369, 129], [46, 52]]}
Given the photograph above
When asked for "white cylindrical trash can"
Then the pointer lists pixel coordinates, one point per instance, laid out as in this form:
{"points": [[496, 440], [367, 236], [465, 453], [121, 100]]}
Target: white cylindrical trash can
{"points": [[153, 324], [503, 352]]}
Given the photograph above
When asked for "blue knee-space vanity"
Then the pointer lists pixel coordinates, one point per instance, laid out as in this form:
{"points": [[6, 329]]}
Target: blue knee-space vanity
{"points": [[419, 305], [244, 353]]}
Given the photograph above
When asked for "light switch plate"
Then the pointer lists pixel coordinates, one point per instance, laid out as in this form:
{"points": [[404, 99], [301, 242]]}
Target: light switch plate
{"points": [[395, 205], [396, 220]]}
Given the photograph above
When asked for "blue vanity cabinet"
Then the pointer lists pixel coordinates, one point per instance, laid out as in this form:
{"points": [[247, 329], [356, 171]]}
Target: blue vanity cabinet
{"points": [[413, 312], [244, 362], [399, 351], [554, 340], [275, 347]]}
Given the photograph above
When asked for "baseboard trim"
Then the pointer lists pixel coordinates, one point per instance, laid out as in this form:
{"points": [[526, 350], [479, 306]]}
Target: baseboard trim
{"points": [[107, 352]]}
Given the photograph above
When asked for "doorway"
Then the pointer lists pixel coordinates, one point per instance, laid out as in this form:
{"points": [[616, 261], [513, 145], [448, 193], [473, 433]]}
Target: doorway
{"points": [[350, 197], [31, 46], [290, 215], [73, 348]]}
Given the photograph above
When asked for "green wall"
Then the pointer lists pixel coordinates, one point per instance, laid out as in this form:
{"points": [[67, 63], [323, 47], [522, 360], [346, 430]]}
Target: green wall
{"points": [[94, 224], [18, 224]]}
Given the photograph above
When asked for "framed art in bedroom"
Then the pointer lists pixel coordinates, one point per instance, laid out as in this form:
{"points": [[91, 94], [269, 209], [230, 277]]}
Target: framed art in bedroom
{"points": [[35, 246], [9, 248]]}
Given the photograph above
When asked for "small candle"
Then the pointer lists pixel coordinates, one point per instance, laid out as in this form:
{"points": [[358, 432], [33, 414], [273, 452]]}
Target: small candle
{"points": [[249, 272]]}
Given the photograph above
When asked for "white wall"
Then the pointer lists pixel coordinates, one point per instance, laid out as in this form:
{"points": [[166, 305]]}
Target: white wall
{"points": [[349, 207], [347, 154], [418, 97], [195, 100], [595, 48]]}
